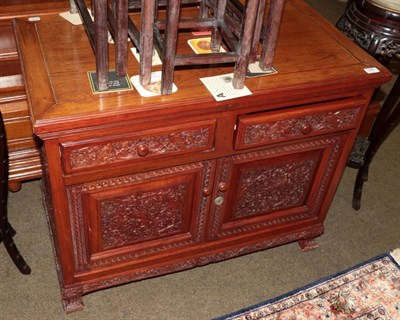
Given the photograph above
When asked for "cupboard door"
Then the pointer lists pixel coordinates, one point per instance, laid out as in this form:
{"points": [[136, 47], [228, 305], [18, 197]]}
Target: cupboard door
{"points": [[138, 217], [274, 188]]}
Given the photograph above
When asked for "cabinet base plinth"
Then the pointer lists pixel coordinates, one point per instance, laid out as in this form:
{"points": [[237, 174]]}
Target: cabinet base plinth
{"points": [[308, 244], [72, 300]]}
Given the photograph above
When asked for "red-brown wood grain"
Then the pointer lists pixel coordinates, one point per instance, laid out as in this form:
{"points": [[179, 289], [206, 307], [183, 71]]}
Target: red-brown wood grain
{"points": [[140, 187]]}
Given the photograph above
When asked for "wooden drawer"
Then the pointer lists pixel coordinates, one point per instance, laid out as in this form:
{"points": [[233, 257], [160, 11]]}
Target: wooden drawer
{"points": [[277, 126], [116, 149]]}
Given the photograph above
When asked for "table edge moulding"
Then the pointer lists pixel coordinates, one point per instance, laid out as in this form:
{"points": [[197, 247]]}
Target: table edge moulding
{"points": [[140, 187]]}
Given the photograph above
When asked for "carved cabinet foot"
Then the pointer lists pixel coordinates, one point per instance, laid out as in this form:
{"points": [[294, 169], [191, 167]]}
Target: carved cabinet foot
{"points": [[14, 186], [72, 300], [308, 244]]}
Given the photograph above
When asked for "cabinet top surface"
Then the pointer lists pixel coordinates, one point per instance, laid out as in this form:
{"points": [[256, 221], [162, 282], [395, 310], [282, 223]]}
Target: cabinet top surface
{"points": [[313, 59]]}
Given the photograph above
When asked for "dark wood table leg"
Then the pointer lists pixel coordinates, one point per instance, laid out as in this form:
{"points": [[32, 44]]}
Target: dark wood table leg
{"points": [[121, 37], [101, 43], [388, 118], [216, 38], [257, 30], [146, 40], [245, 43], [203, 11], [271, 33], [171, 36], [72, 7]]}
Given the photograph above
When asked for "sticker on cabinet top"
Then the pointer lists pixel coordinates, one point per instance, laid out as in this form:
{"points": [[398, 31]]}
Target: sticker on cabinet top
{"points": [[222, 89], [371, 70]]}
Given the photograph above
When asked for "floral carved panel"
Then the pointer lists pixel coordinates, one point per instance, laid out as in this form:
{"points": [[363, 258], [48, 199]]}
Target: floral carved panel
{"points": [[283, 186], [123, 217], [272, 188], [142, 216], [157, 142], [265, 132]]}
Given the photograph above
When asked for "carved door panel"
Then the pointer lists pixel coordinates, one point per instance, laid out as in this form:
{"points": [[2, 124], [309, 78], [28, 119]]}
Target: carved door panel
{"points": [[138, 217], [272, 188]]}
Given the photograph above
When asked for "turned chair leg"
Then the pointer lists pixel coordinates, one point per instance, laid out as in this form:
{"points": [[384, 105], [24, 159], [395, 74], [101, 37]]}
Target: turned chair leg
{"points": [[6, 231]]}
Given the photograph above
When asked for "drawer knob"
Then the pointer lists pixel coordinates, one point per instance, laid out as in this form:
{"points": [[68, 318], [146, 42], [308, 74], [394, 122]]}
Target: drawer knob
{"points": [[306, 128], [142, 150], [222, 187], [206, 191]]}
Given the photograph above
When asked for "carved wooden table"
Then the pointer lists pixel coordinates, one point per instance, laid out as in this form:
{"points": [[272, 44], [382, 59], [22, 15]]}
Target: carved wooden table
{"points": [[140, 187]]}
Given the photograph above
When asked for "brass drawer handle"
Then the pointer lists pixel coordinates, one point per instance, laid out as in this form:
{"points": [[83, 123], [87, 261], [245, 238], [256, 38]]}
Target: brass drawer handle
{"points": [[142, 150]]}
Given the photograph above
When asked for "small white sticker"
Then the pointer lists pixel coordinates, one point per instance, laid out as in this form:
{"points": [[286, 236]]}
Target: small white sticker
{"points": [[371, 70], [33, 19]]}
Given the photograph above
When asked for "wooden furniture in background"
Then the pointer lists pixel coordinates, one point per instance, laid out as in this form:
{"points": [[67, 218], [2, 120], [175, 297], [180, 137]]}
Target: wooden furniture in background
{"points": [[376, 29], [375, 26], [140, 187], [386, 121], [24, 159], [6, 231]]}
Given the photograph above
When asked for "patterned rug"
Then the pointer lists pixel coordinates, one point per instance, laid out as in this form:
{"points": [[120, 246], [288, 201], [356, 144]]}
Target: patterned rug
{"points": [[369, 291]]}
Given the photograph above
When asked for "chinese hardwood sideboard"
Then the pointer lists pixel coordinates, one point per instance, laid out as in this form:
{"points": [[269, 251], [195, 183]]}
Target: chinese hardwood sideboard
{"points": [[140, 187]]}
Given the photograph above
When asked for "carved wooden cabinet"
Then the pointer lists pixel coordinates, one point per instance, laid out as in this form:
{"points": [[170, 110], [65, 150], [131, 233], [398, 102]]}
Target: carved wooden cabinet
{"points": [[139, 187]]}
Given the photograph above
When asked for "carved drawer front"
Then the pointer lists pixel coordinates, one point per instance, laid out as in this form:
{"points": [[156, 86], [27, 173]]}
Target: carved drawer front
{"points": [[277, 126], [135, 146], [140, 216], [266, 190]]}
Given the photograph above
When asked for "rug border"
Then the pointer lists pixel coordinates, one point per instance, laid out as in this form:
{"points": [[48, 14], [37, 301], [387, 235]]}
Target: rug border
{"points": [[236, 313]]}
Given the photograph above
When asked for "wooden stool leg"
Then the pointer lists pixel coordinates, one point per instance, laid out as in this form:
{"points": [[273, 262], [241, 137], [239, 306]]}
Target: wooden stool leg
{"points": [[203, 10], [271, 33], [121, 43], [171, 36], [146, 40], [101, 43], [216, 38], [257, 30], [245, 43], [72, 7]]}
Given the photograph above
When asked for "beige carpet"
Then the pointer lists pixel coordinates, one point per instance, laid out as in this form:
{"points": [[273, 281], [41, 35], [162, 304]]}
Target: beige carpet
{"points": [[217, 289]]}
